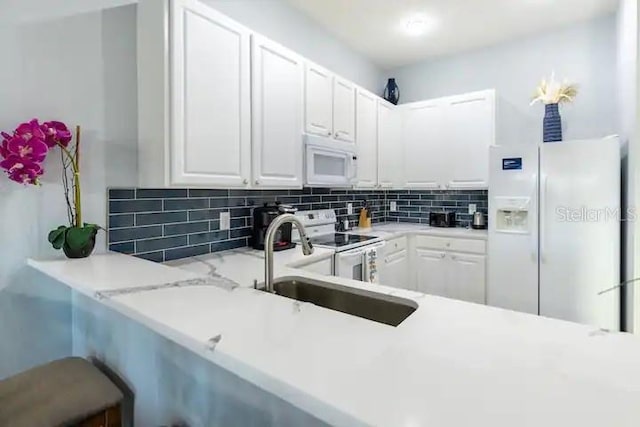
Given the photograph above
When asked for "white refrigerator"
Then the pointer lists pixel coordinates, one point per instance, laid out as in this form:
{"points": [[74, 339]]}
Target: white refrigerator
{"points": [[554, 230]]}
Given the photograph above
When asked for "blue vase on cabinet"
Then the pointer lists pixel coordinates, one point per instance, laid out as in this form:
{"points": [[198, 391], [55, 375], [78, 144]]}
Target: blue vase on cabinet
{"points": [[552, 124], [392, 92]]}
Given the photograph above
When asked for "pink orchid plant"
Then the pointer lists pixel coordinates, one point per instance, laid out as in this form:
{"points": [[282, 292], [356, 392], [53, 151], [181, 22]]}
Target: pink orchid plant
{"points": [[23, 153]]}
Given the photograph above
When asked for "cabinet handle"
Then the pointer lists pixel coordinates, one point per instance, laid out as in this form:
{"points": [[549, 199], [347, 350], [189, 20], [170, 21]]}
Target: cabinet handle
{"points": [[329, 133], [245, 182], [257, 182], [443, 255]]}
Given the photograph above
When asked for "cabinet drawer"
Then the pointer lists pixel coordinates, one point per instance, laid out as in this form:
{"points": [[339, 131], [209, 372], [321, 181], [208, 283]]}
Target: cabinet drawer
{"points": [[395, 245], [451, 244]]}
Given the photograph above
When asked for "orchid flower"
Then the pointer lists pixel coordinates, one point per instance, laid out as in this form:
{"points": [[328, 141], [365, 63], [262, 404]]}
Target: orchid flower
{"points": [[56, 132], [26, 148], [22, 170], [30, 130], [34, 149]]}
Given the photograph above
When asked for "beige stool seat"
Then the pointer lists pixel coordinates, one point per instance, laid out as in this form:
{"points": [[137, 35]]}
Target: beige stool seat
{"points": [[59, 393]]}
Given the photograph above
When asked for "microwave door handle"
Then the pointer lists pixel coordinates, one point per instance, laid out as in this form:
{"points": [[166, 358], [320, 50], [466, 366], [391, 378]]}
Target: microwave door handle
{"points": [[354, 167]]}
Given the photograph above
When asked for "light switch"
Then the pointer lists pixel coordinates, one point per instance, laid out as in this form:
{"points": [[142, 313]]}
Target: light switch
{"points": [[349, 208], [472, 208], [393, 206], [225, 220]]}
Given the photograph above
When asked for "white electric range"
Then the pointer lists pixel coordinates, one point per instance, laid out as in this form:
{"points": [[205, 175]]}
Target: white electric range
{"points": [[356, 255]]}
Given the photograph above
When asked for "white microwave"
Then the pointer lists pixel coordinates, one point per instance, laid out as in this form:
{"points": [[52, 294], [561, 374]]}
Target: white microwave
{"points": [[329, 163]]}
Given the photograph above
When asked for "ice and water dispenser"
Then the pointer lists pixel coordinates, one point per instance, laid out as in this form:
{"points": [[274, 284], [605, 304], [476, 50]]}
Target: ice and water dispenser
{"points": [[512, 214]]}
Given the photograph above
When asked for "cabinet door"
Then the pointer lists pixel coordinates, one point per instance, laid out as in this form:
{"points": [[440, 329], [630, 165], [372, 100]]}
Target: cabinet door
{"points": [[367, 139], [432, 271], [390, 162], [394, 270], [470, 127], [344, 110], [426, 153], [466, 279], [210, 110], [318, 100], [277, 85]]}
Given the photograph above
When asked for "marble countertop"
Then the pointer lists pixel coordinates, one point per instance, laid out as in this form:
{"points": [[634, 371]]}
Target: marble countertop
{"points": [[394, 229], [451, 363]]}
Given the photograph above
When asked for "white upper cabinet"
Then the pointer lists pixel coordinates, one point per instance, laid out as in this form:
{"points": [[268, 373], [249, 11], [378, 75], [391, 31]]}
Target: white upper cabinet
{"points": [[220, 106], [390, 153], [367, 138], [330, 104], [277, 84], [446, 141], [425, 155], [470, 131], [318, 100], [210, 114], [344, 110]]}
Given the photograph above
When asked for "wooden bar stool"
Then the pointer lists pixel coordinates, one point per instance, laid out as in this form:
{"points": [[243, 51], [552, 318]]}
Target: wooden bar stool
{"points": [[65, 392]]}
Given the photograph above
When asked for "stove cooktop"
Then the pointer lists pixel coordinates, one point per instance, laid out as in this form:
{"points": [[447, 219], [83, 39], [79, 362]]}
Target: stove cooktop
{"points": [[339, 240]]}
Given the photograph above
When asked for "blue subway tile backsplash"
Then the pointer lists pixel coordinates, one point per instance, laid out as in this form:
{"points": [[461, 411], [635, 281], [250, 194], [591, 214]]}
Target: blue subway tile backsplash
{"points": [[167, 224], [414, 205]]}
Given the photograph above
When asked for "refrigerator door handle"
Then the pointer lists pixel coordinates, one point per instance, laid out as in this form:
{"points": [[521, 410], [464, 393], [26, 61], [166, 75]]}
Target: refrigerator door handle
{"points": [[532, 230], [542, 208]]}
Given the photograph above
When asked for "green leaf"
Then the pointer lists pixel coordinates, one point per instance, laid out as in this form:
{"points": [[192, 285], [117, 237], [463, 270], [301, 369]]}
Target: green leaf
{"points": [[78, 237], [96, 226], [57, 237]]}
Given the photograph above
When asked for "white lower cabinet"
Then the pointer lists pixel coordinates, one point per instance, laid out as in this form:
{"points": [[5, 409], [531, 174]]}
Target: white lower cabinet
{"points": [[451, 275], [466, 279], [395, 267], [432, 272], [444, 266]]}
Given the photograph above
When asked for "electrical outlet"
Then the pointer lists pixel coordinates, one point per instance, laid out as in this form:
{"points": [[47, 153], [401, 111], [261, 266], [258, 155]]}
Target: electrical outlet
{"points": [[225, 220], [393, 206], [472, 208], [349, 208]]}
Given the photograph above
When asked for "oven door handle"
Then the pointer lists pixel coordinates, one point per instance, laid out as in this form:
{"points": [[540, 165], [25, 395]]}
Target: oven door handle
{"points": [[344, 259]]}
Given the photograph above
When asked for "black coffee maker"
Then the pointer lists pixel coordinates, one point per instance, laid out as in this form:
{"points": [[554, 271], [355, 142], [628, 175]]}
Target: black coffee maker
{"points": [[262, 218]]}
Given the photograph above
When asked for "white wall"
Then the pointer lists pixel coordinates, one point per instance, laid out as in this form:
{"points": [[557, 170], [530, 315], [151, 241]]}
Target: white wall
{"points": [[79, 69], [584, 53], [291, 28]]}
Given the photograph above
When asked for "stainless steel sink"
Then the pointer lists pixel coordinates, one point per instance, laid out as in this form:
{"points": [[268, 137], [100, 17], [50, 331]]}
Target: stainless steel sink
{"points": [[368, 305]]}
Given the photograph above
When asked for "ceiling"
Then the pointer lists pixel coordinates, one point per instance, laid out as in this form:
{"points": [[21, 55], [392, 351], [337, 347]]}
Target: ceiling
{"points": [[378, 28]]}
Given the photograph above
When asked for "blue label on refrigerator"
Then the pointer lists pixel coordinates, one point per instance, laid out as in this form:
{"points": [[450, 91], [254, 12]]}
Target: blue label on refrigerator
{"points": [[514, 163]]}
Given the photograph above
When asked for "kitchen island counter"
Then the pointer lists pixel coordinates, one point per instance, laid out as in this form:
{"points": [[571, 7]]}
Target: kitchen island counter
{"points": [[450, 363]]}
